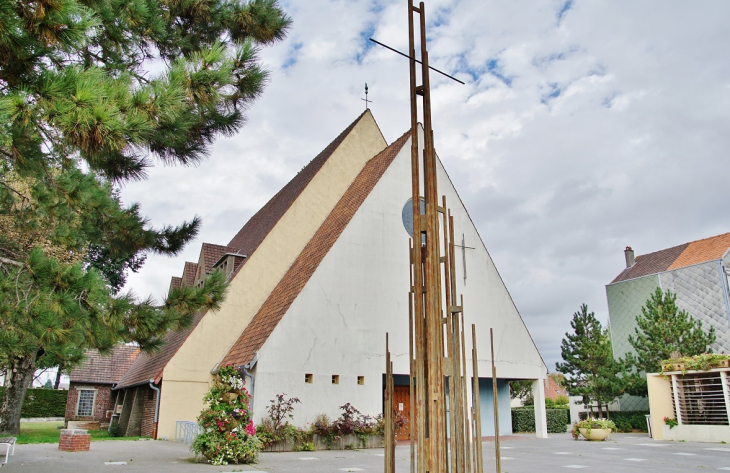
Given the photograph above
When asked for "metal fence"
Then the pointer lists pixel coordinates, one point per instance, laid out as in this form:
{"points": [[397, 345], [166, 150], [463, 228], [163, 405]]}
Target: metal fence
{"points": [[186, 431]]}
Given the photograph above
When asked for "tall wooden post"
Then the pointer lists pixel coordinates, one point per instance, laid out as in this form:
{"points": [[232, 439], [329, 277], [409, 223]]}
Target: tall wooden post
{"points": [[495, 396], [437, 343]]}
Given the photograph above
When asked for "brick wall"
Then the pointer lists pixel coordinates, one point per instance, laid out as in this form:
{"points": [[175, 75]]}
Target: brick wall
{"points": [[103, 402], [74, 440], [148, 412]]}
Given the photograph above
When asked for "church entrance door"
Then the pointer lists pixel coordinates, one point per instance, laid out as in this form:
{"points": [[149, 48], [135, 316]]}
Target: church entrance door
{"points": [[402, 404]]}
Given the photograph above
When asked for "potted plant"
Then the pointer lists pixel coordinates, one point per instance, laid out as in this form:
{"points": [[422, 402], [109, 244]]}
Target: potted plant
{"points": [[593, 429]]}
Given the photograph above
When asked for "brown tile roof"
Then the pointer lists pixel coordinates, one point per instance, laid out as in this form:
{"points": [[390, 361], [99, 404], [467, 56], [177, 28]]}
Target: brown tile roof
{"points": [[286, 291], [212, 253], [651, 263], [553, 389], [105, 369], [699, 251], [687, 254], [245, 242], [188, 276], [150, 366], [175, 282], [255, 230]]}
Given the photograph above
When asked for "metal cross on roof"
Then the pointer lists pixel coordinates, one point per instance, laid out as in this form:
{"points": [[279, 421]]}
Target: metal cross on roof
{"points": [[366, 97]]}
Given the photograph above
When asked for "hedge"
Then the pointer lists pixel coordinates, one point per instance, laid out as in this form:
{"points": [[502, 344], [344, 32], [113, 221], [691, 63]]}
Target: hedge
{"points": [[626, 421], [41, 402], [523, 420]]}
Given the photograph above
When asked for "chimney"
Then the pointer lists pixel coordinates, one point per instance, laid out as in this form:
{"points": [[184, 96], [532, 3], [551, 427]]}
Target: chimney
{"points": [[629, 253]]}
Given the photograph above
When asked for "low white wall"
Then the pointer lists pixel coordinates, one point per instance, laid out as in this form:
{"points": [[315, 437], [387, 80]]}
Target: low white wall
{"points": [[696, 433]]}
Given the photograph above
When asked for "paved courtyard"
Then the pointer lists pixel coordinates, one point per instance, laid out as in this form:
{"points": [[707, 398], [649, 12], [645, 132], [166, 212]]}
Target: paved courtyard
{"points": [[624, 453]]}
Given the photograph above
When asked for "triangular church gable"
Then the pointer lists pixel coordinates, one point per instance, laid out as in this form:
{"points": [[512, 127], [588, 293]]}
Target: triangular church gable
{"points": [[255, 230], [321, 337], [271, 240], [278, 302]]}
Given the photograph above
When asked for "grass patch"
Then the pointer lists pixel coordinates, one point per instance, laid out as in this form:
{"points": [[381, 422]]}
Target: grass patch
{"points": [[49, 432]]}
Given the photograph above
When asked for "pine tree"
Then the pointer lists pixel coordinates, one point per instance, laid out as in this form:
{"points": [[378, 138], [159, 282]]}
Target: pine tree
{"points": [[589, 366], [81, 112], [662, 332]]}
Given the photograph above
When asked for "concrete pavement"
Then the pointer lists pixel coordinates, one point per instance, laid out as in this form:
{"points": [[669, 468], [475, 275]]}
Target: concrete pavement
{"points": [[624, 453]]}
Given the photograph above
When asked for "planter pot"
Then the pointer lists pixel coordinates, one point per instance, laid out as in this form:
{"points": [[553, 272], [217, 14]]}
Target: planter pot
{"points": [[283, 446], [339, 443], [596, 434], [672, 366], [349, 441]]}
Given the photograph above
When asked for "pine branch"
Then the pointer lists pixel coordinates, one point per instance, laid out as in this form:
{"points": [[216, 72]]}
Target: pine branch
{"points": [[9, 261]]}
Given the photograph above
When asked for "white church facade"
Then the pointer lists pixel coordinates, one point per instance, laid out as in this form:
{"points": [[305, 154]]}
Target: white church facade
{"points": [[317, 279]]}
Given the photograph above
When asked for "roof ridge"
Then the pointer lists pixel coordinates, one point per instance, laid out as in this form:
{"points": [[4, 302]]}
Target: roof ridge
{"points": [[687, 243], [255, 230], [151, 366], [286, 291]]}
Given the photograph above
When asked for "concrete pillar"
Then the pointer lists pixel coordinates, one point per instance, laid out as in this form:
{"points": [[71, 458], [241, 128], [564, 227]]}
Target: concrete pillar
{"points": [[538, 394], [134, 427], [126, 410]]}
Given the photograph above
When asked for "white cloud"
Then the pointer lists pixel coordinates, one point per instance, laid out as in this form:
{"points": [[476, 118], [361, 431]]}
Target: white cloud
{"points": [[571, 139]]}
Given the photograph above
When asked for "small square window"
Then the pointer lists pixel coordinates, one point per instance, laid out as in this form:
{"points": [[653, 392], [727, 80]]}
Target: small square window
{"points": [[308, 378], [335, 379], [85, 406], [361, 380]]}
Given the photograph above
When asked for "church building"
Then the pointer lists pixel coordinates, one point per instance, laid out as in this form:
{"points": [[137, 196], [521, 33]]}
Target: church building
{"points": [[317, 278]]}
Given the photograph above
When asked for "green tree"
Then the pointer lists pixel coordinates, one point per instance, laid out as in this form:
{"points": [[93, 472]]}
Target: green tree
{"points": [[82, 111], [589, 366], [522, 390], [663, 331]]}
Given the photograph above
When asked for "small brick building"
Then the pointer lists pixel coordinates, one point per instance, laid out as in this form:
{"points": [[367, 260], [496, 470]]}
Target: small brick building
{"points": [[90, 401]]}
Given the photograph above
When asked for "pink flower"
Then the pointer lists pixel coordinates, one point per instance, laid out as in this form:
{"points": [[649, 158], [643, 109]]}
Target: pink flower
{"points": [[250, 428]]}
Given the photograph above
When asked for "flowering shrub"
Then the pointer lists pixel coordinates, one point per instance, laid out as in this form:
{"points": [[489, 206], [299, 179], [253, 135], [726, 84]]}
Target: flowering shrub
{"points": [[672, 423], [229, 435], [276, 427], [351, 421]]}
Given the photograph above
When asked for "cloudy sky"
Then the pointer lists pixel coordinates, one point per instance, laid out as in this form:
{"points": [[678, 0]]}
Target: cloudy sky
{"points": [[583, 127]]}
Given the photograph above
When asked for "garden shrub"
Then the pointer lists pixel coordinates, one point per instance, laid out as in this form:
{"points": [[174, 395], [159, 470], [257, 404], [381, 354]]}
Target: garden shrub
{"points": [[40, 402], [276, 427], [523, 420], [229, 435]]}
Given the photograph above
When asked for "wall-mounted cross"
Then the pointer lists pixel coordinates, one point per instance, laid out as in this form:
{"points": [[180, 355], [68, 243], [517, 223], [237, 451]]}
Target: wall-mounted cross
{"points": [[463, 253]]}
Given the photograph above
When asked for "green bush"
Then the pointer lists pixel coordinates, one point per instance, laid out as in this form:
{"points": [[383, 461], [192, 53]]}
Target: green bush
{"points": [[40, 402], [628, 421], [523, 420]]}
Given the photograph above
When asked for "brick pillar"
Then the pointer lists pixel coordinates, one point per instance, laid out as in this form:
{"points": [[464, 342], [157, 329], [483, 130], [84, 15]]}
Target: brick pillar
{"points": [[74, 440]]}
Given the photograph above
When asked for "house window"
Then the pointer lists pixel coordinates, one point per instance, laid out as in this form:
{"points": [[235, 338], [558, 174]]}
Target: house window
{"points": [[308, 378], [335, 379], [361, 380], [85, 406]]}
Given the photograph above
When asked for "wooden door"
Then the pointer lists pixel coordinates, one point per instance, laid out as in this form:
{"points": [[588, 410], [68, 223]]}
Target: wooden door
{"points": [[402, 406]]}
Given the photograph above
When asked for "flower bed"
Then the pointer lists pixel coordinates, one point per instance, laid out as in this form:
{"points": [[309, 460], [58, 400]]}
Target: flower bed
{"points": [[704, 362], [352, 430]]}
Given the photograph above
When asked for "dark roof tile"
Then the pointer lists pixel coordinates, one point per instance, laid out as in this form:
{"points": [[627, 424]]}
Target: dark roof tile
{"points": [[107, 368]]}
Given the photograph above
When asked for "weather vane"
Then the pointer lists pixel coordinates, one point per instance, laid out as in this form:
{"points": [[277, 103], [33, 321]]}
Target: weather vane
{"points": [[366, 97]]}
